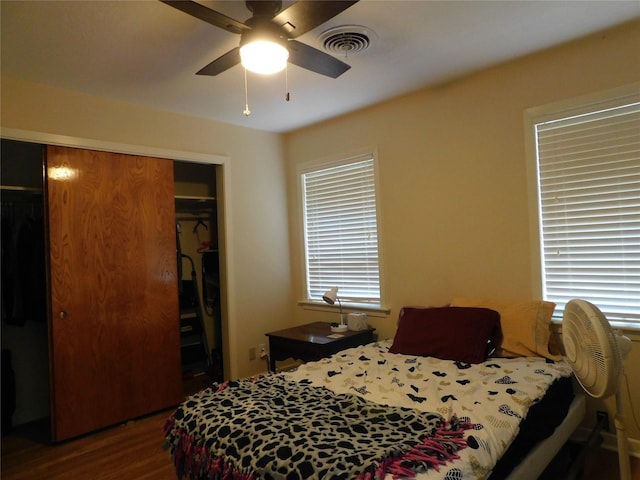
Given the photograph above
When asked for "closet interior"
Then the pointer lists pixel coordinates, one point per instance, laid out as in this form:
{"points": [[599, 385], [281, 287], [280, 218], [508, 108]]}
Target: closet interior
{"points": [[26, 387], [25, 354], [198, 269]]}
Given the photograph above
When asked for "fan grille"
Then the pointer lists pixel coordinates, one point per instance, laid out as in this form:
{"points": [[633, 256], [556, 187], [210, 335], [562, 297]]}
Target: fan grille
{"points": [[591, 348]]}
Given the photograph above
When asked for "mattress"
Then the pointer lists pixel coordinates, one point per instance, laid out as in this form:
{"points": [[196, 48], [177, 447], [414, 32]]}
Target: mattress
{"points": [[542, 420], [533, 464]]}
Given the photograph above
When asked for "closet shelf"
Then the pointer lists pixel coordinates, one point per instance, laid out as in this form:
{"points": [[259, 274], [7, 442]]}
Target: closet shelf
{"points": [[194, 205]]}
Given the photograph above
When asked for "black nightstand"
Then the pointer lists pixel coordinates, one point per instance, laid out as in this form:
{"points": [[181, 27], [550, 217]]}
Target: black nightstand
{"points": [[313, 341]]}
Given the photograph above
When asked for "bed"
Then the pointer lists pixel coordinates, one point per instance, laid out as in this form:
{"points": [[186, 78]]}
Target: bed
{"points": [[446, 398]]}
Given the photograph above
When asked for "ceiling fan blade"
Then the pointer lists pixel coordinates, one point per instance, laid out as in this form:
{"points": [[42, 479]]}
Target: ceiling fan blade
{"points": [[206, 14], [221, 64], [313, 59], [303, 15]]}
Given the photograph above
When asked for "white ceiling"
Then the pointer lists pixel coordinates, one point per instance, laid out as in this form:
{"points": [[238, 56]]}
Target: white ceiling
{"points": [[147, 52]]}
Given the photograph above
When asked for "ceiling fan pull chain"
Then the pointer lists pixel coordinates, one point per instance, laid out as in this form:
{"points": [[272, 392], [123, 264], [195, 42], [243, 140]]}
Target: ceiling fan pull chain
{"points": [[287, 95], [246, 110]]}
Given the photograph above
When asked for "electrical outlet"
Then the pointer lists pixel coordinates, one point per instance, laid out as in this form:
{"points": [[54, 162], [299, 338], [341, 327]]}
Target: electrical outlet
{"points": [[263, 351], [603, 419], [252, 353]]}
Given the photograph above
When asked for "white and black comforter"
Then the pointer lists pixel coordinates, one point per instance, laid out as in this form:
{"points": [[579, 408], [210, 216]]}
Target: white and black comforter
{"points": [[494, 395]]}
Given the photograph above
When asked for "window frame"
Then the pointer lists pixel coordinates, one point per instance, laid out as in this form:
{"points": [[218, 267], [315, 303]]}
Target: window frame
{"points": [[566, 108], [326, 163]]}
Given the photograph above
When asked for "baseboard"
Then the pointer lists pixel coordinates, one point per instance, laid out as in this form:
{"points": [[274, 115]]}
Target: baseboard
{"points": [[609, 441]]}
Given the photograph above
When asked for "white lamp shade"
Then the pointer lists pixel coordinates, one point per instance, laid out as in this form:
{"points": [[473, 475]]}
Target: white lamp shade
{"points": [[263, 56], [330, 296]]}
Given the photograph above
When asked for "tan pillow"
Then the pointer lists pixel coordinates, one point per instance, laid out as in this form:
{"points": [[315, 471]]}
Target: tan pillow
{"points": [[526, 326]]}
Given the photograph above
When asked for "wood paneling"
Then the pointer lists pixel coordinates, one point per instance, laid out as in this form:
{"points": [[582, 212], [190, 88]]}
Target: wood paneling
{"points": [[114, 328]]}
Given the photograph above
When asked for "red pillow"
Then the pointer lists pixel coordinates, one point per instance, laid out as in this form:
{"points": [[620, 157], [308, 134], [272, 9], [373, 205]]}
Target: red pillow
{"points": [[466, 334]]}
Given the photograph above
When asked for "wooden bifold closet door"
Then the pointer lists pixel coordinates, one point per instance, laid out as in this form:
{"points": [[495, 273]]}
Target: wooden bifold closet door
{"points": [[114, 333]]}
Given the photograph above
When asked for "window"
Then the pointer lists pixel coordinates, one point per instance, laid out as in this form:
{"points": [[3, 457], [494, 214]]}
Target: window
{"points": [[341, 231], [588, 169]]}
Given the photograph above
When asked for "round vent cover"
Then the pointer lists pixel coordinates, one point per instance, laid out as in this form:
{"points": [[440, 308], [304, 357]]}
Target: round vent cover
{"points": [[346, 40]]}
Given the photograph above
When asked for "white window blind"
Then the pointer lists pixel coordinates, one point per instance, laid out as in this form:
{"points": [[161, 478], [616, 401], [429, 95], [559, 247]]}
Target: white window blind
{"points": [[589, 187], [341, 234]]}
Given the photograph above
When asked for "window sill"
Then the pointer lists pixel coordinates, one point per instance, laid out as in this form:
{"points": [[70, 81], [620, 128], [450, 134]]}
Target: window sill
{"points": [[370, 310]]}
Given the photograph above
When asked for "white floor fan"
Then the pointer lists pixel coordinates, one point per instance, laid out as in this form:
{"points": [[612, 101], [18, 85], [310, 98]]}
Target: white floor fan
{"points": [[595, 353]]}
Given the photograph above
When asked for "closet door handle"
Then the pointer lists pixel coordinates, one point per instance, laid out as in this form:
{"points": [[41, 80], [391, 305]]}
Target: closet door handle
{"points": [[62, 314]]}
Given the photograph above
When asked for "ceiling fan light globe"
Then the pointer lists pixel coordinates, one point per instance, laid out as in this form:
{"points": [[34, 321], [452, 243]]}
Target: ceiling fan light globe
{"points": [[265, 57]]}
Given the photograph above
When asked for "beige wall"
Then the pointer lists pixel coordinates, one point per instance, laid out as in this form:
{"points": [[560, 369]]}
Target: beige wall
{"points": [[453, 176], [256, 220]]}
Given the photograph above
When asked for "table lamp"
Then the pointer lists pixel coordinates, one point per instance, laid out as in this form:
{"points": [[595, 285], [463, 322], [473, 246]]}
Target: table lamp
{"points": [[331, 296]]}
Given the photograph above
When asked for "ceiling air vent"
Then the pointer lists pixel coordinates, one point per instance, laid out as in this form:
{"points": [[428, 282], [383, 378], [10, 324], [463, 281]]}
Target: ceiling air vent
{"points": [[346, 40]]}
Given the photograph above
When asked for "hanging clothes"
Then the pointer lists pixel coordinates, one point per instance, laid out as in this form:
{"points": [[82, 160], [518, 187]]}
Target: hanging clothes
{"points": [[23, 262]]}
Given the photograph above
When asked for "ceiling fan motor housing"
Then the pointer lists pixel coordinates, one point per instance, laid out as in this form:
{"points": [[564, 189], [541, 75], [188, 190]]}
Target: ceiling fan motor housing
{"points": [[264, 7], [262, 28]]}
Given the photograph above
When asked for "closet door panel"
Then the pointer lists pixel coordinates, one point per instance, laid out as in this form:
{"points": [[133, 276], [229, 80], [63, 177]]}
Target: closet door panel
{"points": [[115, 346]]}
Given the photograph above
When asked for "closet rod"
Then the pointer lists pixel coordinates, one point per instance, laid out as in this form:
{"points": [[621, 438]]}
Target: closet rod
{"points": [[13, 188]]}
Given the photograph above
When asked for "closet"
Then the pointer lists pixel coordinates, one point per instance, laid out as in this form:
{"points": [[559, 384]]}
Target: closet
{"points": [[105, 344], [197, 240]]}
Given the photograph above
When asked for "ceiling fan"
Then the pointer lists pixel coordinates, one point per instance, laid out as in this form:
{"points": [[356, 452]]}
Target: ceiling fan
{"points": [[275, 27]]}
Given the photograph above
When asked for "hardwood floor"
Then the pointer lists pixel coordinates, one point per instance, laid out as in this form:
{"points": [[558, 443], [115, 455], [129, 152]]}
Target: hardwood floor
{"points": [[603, 465], [130, 451], [134, 451]]}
